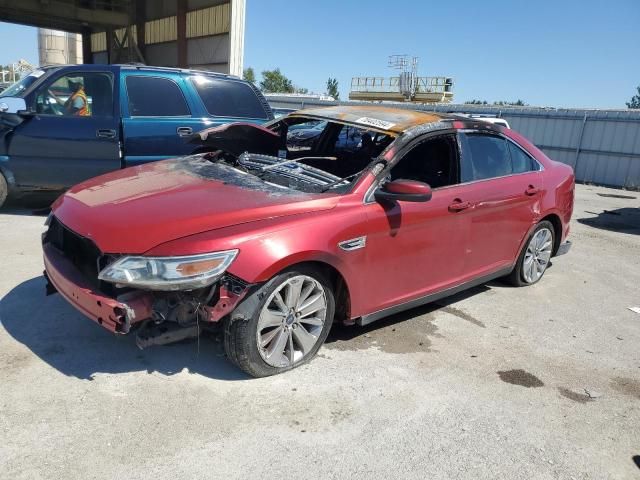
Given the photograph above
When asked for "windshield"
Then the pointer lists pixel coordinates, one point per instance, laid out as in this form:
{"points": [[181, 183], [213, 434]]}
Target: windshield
{"points": [[321, 154], [18, 88]]}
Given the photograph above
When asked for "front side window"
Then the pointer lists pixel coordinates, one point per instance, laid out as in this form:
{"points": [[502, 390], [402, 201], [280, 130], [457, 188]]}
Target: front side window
{"points": [[155, 97], [433, 161], [228, 98], [78, 94]]}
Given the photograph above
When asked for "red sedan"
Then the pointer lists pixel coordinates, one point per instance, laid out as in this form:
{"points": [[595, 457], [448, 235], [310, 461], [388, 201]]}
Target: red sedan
{"points": [[339, 214]]}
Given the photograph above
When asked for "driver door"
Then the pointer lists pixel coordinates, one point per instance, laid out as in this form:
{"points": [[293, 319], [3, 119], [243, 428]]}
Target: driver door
{"points": [[55, 149], [418, 248]]}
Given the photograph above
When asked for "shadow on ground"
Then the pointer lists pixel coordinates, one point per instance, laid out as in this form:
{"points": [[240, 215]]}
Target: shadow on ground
{"points": [[74, 345], [78, 347], [405, 332], [623, 220]]}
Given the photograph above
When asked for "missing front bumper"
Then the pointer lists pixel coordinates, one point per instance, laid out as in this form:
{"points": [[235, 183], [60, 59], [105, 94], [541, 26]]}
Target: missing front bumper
{"points": [[116, 315]]}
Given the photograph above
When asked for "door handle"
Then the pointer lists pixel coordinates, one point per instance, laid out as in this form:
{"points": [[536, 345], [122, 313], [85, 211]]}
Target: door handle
{"points": [[105, 133], [184, 131], [459, 205], [531, 190]]}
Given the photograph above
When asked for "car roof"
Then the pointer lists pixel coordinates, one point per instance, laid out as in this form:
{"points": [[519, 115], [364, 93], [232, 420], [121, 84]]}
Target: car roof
{"points": [[136, 66], [395, 120]]}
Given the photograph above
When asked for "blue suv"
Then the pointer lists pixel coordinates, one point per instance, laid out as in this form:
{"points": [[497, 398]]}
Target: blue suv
{"points": [[125, 115]]}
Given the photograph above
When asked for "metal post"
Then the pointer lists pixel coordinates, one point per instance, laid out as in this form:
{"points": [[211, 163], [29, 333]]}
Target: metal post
{"points": [[181, 18], [110, 41], [140, 29], [575, 162], [87, 52]]}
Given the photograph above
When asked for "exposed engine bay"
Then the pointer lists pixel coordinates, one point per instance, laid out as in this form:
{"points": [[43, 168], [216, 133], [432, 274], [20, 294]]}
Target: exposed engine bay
{"points": [[301, 153]]}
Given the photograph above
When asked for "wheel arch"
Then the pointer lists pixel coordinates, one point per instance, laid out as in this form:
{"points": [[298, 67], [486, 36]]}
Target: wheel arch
{"points": [[329, 268], [554, 219]]}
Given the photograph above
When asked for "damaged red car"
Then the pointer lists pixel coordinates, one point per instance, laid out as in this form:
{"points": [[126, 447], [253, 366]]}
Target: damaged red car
{"points": [[273, 233]]}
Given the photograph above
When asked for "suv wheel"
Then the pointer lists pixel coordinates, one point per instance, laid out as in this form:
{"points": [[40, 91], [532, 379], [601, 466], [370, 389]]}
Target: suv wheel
{"points": [[282, 324], [4, 190], [535, 256]]}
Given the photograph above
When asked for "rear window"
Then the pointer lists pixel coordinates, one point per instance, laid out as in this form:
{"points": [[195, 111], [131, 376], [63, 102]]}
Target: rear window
{"points": [[155, 97], [228, 98]]}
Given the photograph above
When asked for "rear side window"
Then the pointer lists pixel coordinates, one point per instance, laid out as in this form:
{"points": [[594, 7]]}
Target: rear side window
{"points": [[228, 98], [155, 97], [520, 160]]}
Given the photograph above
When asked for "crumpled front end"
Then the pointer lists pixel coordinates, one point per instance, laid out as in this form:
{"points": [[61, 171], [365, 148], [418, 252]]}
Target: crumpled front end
{"points": [[73, 263], [115, 314]]}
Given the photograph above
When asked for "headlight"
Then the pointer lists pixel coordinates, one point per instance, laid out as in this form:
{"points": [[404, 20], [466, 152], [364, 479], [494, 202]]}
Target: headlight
{"points": [[169, 273]]}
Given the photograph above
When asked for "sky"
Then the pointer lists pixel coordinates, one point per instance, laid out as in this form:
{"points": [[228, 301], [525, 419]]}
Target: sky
{"points": [[560, 53]]}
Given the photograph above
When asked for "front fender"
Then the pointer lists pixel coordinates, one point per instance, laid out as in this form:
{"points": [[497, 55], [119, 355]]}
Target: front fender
{"points": [[270, 246]]}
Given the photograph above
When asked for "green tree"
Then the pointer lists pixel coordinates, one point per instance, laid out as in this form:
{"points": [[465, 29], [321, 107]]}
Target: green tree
{"points": [[301, 90], [517, 103], [249, 75], [635, 100], [273, 81], [476, 102], [332, 88]]}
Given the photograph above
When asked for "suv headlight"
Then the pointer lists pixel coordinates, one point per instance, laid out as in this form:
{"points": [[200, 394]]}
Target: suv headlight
{"points": [[169, 273]]}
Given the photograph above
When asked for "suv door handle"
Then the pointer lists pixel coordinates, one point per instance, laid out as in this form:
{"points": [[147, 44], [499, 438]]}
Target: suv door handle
{"points": [[531, 190], [105, 133], [184, 131], [459, 205]]}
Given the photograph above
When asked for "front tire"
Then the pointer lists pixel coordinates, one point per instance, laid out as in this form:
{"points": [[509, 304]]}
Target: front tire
{"points": [[282, 324], [4, 190], [535, 256]]}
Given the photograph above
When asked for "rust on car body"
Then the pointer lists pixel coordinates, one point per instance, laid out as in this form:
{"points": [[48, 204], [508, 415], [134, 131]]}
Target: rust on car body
{"points": [[392, 120]]}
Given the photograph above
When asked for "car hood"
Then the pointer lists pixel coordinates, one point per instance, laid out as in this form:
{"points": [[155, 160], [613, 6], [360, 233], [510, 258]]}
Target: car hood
{"points": [[136, 209]]}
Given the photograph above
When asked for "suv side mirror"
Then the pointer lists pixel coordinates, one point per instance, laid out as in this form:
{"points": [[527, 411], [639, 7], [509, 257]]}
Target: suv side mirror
{"points": [[404, 191], [12, 104]]}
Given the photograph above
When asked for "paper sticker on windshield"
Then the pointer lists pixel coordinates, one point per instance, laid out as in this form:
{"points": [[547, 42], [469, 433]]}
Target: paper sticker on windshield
{"points": [[37, 73], [374, 122]]}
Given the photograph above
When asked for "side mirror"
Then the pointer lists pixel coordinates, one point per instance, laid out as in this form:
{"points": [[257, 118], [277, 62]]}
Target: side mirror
{"points": [[404, 191], [12, 104]]}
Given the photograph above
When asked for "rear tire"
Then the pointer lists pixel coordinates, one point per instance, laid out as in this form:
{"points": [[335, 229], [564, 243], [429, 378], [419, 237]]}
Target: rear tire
{"points": [[282, 324], [535, 256], [4, 190]]}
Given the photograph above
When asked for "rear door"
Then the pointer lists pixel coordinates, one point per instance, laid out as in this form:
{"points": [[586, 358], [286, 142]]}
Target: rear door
{"points": [[57, 148], [157, 116], [502, 185]]}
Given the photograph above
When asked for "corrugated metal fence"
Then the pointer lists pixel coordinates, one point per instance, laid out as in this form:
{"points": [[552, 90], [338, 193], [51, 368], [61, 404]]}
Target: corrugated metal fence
{"points": [[602, 146]]}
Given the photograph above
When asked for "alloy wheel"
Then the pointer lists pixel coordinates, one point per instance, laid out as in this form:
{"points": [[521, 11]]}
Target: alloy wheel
{"points": [[538, 255], [291, 321]]}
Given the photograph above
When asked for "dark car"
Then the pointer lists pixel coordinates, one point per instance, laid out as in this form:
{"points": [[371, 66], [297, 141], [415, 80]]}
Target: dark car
{"points": [[125, 115], [276, 244]]}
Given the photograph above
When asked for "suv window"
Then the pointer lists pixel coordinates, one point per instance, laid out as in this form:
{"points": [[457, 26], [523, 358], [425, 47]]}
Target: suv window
{"points": [[77, 94], [228, 98], [303, 136], [485, 156], [155, 97], [434, 161]]}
